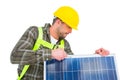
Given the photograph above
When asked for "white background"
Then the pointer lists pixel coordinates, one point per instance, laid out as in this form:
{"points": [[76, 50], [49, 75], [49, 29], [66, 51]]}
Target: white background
{"points": [[99, 26]]}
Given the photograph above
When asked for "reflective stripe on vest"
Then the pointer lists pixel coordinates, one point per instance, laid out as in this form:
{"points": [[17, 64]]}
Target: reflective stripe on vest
{"points": [[39, 42]]}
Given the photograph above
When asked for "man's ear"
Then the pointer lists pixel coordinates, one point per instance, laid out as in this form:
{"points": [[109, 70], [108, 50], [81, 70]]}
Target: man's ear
{"points": [[58, 21]]}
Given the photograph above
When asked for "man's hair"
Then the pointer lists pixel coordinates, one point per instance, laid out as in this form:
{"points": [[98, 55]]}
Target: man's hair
{"points": [[54, 19]]}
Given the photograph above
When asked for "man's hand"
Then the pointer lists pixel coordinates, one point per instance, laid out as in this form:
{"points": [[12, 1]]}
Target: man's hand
{"points": [[102, 52], [59, 54]]}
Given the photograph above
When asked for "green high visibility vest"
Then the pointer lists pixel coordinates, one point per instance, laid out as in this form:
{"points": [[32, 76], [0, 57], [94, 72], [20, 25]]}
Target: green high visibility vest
{"points": [[39, 42]]}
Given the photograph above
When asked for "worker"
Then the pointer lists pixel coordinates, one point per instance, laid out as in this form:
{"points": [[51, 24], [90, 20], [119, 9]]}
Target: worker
{"points": [[51, 45]]}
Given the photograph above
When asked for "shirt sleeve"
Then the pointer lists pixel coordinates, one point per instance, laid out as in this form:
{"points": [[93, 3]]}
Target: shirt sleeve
{"points": [[23, 53]]}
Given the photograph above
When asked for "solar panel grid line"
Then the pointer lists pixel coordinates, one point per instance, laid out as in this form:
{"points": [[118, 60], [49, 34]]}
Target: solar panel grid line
{"points": [[62, 76], [113, 67], [111, 61], [54, 74], [72, 70], [100, 68], [78, 70], [82, 71], [86, 68], [107, 68], [63, 68], [66, 69], [95, 66], [89, 68]]}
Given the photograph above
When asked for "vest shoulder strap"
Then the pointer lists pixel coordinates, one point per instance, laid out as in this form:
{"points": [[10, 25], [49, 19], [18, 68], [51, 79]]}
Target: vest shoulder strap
{"points": [[37, 44]]}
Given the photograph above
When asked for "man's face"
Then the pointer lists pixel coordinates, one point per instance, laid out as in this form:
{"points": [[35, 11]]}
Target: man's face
{"points": [[63, 30]]}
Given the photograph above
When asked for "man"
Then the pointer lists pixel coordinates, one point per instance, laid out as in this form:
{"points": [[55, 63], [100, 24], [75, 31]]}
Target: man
{"points": [[66, 19]]}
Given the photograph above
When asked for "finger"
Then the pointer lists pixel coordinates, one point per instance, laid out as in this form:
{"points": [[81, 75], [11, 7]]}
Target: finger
{"points": [[58, 58]]}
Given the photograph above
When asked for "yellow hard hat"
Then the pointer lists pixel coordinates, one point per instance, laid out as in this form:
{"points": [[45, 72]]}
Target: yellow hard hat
{"points": [[68, 15]]}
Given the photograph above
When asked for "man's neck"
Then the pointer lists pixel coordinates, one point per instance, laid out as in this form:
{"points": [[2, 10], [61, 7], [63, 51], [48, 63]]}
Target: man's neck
{"points": [[53, 33]]}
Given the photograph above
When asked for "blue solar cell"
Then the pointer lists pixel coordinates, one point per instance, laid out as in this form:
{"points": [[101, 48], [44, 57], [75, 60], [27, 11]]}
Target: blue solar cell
{"points": [[81, 68]]}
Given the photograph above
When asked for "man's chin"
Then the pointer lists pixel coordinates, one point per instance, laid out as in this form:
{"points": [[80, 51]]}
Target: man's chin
{"points": [[60, 38]]}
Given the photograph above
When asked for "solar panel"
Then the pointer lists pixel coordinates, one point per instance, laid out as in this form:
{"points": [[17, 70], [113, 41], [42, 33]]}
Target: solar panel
{"points": [[81, 68]]}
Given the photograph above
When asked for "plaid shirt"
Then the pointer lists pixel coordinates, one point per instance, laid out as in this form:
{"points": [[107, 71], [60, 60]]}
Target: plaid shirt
{"points": [[23, 54]]}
